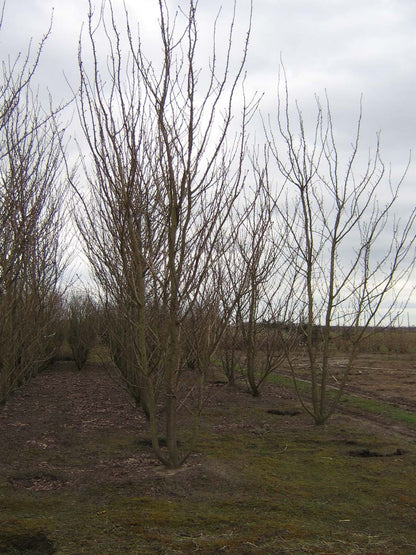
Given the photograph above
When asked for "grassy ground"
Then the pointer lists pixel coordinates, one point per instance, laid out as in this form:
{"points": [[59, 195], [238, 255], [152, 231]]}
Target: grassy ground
{"points": [[373, 406], [258, 482]]}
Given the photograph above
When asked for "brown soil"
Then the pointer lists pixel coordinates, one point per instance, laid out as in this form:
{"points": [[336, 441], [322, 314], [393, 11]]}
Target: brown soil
{"points": [[389, 378], [57, 412]]}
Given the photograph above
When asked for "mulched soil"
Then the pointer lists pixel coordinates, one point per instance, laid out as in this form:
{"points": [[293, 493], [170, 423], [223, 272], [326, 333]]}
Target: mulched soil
{"points": [[57, 412]]}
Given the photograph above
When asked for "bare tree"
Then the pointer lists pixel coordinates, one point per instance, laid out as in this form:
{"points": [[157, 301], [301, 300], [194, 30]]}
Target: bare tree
{"points": [[30, 209], [82, 327], [261, 305], [350, 258], [164, 181], [230, 349]]}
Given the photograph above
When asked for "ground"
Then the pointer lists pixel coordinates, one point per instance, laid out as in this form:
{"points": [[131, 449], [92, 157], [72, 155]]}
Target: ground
{"points": [[77, 474]]}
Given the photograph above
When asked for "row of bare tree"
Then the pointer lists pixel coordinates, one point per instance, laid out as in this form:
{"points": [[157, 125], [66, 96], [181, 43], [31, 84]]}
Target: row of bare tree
{"points": [[196, 239], [31, 165]]}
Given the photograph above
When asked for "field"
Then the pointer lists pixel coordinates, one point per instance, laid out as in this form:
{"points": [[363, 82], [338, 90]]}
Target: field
{"points": [[77, 474]]}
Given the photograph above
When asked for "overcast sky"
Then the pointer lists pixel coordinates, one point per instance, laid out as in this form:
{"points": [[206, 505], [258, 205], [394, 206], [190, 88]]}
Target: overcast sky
{"points": [[347, 49]]}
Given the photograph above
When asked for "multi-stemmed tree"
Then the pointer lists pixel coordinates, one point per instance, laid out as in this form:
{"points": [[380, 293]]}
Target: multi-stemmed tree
{"points": [[350, 259], [261, 304], [167, 170]]}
